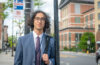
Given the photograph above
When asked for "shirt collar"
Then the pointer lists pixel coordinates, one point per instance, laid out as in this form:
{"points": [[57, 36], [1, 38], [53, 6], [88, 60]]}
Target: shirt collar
{"points": [[35, 35]]}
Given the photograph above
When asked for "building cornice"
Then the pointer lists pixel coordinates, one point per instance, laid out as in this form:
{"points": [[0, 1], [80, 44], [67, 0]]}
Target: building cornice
{"points": [[65, 2], [68, 28]]}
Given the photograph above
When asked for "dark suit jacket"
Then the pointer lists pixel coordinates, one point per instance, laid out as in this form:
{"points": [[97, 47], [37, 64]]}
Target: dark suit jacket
{"points": [[25, 50]]}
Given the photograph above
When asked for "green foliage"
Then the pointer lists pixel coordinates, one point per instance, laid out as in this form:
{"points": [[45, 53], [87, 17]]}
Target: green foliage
{"points": [[9, 4], [71, 49], [4, 15], [83, 42], [65, 48], [38, 3], [0, 51], [10, 41]]}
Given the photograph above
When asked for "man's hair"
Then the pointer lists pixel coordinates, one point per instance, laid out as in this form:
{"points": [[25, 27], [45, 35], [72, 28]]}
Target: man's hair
{"points": [[47, 21]]}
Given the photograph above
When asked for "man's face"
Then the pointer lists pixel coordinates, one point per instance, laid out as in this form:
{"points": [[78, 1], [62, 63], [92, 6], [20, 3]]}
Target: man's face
{"points": [[39, 21]]}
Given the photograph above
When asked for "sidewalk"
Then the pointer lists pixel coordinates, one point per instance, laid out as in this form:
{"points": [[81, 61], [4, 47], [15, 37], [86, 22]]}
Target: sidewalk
{"points": [[6, 59], [80, 53]]}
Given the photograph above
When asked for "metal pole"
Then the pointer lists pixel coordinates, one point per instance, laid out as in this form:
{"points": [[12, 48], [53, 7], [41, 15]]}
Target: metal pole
{"points": [[27, 29], [27, 15], [12, 38], [56, 28]]}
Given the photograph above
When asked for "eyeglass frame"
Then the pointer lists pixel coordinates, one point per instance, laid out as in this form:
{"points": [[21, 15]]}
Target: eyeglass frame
{"points": [[40, 19]]}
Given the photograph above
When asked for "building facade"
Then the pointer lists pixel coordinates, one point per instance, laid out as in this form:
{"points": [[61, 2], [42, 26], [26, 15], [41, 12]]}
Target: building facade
{"points": [[76, 17], [97, 22], [0, 27]]}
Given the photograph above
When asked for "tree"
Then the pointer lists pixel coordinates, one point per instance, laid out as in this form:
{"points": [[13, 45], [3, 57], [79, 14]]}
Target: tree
{"points": [[9, 4], [38, 3], [83, 42], [10, 41], [20, 26]]}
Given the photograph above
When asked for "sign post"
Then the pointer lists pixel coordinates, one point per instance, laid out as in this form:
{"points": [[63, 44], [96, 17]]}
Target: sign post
{"points": [[18, 9]]}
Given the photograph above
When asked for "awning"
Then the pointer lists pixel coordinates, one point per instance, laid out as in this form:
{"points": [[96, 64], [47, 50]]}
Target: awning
{"points": [[98, 42]]}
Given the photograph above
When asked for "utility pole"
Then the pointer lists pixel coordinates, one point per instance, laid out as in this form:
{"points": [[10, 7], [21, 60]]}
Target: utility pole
{"points": [[12, 39], [27, 15], [56, 31]]}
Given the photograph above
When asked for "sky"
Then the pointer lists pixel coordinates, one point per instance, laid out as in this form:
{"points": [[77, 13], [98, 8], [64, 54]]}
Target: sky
{"points": [[48, 7]]}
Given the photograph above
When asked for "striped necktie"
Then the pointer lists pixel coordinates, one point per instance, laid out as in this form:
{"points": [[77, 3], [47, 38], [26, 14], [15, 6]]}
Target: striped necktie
{"points": [[38, 51]]}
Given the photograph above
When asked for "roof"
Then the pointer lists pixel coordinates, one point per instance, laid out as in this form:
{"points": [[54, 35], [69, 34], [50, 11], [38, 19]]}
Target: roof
{"points": [[65, 2], [88, 10]]}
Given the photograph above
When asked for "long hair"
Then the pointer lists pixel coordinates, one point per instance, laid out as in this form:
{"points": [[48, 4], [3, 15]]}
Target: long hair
{"points": [[47, 20]]}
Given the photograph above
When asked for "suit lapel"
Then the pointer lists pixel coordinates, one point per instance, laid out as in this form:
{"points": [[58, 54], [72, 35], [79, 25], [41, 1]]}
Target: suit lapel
{"points": [[43, 43], [32, 43]]}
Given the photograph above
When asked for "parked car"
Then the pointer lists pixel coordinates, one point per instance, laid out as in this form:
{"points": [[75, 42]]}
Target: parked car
{"points": [[98, 56]]}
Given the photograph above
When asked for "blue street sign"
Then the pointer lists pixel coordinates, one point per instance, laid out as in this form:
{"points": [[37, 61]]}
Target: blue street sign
{"points": [[18, 7], [18, 1], [18, 4]]}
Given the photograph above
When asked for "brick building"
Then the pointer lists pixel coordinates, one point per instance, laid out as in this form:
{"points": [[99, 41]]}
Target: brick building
{"points": [[97, 23], [76, 17], [0, 27]]}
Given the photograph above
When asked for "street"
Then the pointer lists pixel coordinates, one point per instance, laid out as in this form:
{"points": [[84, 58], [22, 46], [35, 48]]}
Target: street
{"points": [[68, 58]]}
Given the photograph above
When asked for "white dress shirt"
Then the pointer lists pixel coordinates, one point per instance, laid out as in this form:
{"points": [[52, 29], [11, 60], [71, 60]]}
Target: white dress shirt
{"points": [[35, 38]]}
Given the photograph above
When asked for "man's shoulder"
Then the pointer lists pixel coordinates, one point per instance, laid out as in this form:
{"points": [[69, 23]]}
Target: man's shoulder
{"points": [[26, 36], [49, 36]]}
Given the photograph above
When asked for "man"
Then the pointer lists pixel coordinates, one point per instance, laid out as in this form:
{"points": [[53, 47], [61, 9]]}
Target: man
{"points": [[30, 48]]}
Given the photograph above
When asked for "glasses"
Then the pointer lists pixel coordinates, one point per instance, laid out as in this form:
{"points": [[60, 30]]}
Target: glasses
{"points": [[40, 19]]}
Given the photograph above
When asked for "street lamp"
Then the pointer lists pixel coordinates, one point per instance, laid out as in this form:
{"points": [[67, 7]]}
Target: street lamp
{"points": [[88, 42]]}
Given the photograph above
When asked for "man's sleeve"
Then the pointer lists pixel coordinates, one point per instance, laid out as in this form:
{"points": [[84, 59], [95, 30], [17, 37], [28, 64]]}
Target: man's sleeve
{"points": [[52, 53], [18, 53]]}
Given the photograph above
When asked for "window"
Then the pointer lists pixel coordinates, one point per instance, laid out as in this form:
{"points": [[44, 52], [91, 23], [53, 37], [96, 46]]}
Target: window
{"points": [[69, 40], [65, 39], [99, 4], [86, 20], [99, 27], [78, 37], [69, 36], [91, 16], [77, 19], [77, 8], [91, 20], [62, 40], [98, 16]]}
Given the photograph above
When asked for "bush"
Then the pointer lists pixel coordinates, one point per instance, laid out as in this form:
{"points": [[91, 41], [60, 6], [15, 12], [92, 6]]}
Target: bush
{"points": [[65, 48], [71, 49], [0, 51]]}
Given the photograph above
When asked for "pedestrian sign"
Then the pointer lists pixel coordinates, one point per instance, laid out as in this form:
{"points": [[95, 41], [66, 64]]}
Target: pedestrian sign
{"points": [[18, 9]]}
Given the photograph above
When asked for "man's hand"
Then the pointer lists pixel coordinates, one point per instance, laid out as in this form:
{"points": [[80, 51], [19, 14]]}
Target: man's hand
{"points": [[45, 58]]}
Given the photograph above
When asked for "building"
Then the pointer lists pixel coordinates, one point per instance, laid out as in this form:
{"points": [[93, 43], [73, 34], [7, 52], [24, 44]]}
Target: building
{"points": [[3, 30], [97, 22], [52, 28], [76, 17], [0, 27]]}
